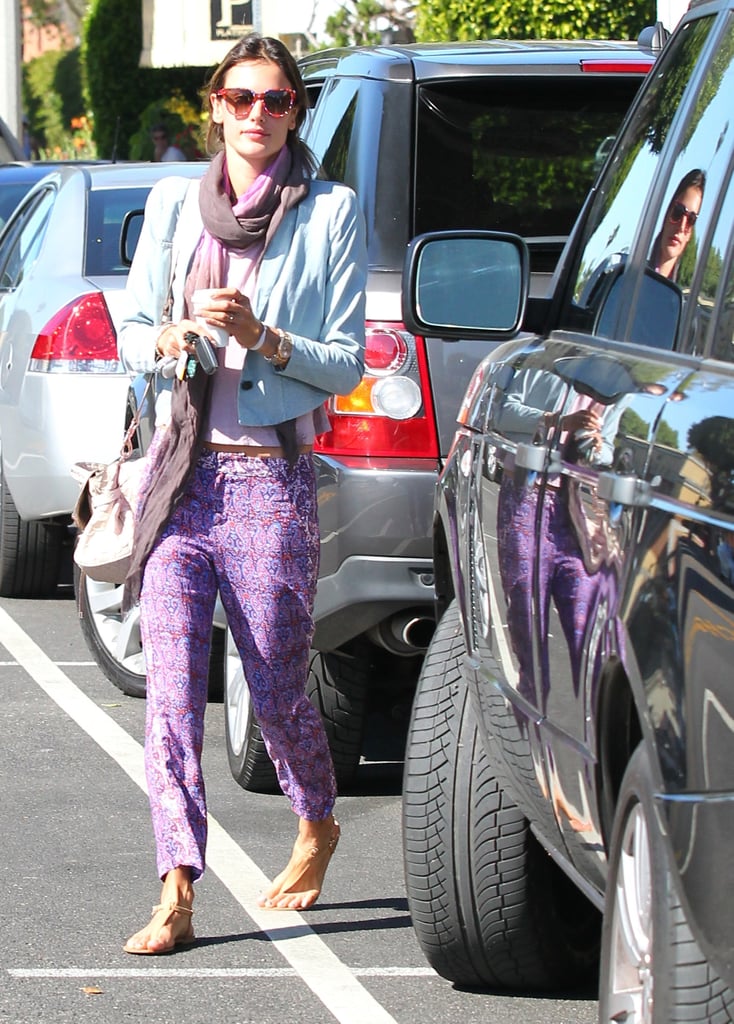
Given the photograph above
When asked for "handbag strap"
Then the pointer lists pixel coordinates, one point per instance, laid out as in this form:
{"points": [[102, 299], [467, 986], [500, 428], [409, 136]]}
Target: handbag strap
{"points": [[127, 442]]}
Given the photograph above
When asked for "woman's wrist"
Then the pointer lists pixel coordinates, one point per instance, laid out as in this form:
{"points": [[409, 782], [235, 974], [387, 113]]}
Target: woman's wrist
{"points": [[158, 342], [280, 353], [261, 339]]}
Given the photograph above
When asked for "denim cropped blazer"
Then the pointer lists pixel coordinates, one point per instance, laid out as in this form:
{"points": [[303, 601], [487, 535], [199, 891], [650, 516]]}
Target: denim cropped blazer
{"points": [[311, 283]]}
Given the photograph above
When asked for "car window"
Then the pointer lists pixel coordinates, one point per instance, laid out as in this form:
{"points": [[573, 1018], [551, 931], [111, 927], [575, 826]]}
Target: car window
{"points": [[515, 154], [623, 196], [329, 130], [10, 195], [717, 276], [22, 242], [700, 170], [106, 210]]}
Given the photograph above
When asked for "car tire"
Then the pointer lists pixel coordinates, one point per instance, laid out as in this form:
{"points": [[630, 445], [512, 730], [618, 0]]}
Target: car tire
{"points": [[114, 641], [30, 551], [489, 907], [653, 970], [337, 686], [249, 761]]}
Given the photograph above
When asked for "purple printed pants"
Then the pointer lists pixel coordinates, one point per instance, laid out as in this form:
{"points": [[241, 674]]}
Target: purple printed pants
{"points": [[248, 528]]}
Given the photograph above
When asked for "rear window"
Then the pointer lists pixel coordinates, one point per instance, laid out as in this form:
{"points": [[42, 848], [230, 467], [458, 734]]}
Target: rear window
{"points": [[106, 211], [515, 154], [10, 195]]}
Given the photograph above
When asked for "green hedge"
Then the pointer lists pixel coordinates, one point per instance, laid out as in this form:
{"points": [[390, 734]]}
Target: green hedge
{"points": [[443, 20]]}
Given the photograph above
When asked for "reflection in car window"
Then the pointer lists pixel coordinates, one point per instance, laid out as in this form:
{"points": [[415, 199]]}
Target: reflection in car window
{"points": [[515, 154], [705, 147], [623, 193], [23, 241], [720, 251]]}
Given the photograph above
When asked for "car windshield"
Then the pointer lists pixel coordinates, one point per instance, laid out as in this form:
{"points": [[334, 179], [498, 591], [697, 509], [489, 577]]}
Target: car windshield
{"points": [[514, 154], [107, 209]]}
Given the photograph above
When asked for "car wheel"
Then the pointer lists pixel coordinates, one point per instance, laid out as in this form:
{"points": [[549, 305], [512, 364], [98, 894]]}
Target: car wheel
{"points": [[489, 907], [248, 758], [653, 970], [336, 687], [30, 552], [114, 641]]}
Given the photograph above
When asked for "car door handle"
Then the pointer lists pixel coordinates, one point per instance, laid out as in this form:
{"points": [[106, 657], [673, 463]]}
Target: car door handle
{"points": [[623, 490], [532, 457]]}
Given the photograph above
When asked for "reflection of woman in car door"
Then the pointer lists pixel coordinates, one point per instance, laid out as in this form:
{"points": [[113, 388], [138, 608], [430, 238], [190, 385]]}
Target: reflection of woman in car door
{"points": [[680, 218], [546, 544]]}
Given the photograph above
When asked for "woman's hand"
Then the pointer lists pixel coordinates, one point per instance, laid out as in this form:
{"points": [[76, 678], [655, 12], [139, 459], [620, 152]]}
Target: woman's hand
{"points": [[584, 423], [230, 310], [171, 341]]}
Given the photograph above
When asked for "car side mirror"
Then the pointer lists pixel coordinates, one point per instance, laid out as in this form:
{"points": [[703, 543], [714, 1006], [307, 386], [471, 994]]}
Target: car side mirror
{"points": [[465, 284]]}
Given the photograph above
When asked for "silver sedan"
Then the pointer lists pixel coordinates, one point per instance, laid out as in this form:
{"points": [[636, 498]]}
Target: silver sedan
{"points": [[64, 259]]}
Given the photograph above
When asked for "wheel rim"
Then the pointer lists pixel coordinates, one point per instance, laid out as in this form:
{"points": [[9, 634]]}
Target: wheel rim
{"points": [[630, 996], [237, 696], [120, 636]]}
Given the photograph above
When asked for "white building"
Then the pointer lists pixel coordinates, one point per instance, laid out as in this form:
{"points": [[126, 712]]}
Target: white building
{"points": [[199, 32]]}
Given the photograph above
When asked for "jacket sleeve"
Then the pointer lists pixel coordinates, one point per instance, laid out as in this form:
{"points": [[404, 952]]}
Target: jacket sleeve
{"points": [[334, 361], [149, 280]]}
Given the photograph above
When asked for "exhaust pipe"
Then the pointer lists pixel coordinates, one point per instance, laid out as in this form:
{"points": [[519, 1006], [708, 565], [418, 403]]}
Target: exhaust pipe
{"points": [[405, 634]]}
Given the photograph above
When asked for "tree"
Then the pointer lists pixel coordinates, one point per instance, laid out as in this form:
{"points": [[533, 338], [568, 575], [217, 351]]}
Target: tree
{"points": [[118, 90], [369, 22], [530, 19], [42, 13]]}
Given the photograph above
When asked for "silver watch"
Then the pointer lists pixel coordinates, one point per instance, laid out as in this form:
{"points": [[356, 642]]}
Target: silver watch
{"points": [[283, 352]]}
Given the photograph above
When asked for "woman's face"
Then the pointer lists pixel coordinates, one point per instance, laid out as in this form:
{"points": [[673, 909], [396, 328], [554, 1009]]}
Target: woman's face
{"points": [[677, 228], [256, 136]]}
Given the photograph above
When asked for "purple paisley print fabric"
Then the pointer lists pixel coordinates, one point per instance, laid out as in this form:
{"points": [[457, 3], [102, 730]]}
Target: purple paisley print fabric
{"points": [[248, 528]]}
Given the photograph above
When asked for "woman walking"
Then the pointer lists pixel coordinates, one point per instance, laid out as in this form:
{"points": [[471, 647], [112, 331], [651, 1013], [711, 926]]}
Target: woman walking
{"points": [[229, 505]]}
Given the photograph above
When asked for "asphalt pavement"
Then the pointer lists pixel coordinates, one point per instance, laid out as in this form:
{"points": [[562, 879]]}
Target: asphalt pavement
{"points": [[79, 877]]}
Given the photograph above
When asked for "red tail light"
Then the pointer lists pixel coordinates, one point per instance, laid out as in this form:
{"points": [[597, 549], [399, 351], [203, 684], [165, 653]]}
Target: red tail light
{"points": [[79, 338], [390, 412]]}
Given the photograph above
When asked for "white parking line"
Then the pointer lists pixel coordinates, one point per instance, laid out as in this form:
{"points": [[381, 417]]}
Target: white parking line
{"points": [[319, 968], [36, 973]]}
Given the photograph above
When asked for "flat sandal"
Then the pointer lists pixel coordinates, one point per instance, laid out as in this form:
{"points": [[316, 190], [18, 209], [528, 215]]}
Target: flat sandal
{"points": [[184, 940]]}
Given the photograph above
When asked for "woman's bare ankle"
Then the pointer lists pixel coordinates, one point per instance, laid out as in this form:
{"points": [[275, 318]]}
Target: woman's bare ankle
{"points": [[178, 887]]}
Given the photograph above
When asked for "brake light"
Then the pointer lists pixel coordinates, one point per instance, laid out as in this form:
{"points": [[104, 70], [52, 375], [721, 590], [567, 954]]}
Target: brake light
{"points": [[617, 67], [80, 338], [390, 412]]}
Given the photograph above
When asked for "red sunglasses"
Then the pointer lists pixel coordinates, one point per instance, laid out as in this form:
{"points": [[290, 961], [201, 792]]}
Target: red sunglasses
{"points": [[277, 102], [679, 212]]}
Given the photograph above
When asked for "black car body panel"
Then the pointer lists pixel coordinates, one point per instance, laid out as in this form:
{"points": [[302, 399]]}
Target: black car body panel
{"points": [[592, 567]]}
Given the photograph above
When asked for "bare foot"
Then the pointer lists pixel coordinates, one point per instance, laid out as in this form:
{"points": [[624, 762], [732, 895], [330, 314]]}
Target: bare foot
{"points": [[299, 885], [170, 926]]}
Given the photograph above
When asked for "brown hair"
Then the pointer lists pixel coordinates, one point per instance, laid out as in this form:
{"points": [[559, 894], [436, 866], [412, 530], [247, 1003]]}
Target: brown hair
{"points": [[250, 48]]}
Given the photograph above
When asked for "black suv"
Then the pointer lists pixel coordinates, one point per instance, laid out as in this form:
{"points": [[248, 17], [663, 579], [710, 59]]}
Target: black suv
{"points": [[569, 778]]}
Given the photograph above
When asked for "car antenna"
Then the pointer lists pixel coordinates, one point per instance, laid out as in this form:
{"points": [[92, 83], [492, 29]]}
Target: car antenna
{"points": [[117, 136]]}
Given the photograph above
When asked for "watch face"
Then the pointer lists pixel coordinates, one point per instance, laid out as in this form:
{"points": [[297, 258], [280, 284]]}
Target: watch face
{"points": [[285, 347]]}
